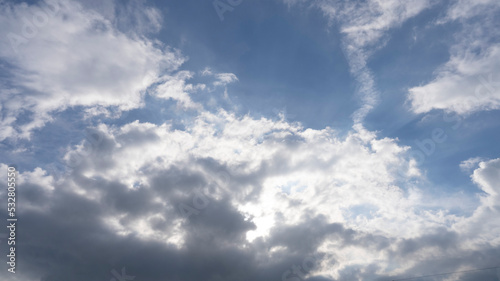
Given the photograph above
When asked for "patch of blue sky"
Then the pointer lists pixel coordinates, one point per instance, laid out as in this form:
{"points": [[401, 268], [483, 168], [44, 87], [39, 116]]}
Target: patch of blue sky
{"points": [[292, 187], [366, 210], [283, 58]]}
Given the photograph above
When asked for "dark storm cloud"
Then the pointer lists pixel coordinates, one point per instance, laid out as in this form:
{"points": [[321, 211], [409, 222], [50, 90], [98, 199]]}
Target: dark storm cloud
{"points": [[67, 236], [70, 241]]}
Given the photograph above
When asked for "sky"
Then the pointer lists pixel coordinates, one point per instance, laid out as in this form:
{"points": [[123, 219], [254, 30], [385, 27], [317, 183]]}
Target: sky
{"points": [[227, 140]]}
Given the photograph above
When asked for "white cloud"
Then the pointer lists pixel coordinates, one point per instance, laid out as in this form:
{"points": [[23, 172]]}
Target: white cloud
{"points": [[469, 164], [222, 79], [468, 82], [225, 78], [463, 85], [175, 87], [63, 55], [271, 184], [365, 26], [313, 170], [484, 224], [466, 9], [278, 175], [316, 164]]}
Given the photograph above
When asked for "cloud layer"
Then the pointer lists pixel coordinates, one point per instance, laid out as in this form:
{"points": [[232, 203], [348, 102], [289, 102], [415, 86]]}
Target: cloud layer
{"points": [[62, 55], [364, 26], [212, 194], [468, 82], [233, 198]]}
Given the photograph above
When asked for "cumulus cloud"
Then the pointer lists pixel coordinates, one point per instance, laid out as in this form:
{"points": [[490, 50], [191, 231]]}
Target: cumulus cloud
{"points": [[484, 223], [233, 197], [224, 196], [62, 55], [468, 82], [463, 85]]}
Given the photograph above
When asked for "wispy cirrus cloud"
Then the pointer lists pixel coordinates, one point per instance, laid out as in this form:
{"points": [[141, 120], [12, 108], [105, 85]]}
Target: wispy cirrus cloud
{"points": [[365, 26]]}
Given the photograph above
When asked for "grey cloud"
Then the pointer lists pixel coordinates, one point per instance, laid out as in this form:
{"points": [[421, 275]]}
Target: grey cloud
{"points": [[73, 241]]}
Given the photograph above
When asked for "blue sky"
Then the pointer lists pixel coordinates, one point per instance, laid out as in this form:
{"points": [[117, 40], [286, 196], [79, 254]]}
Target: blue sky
{"points": [[287, 59], [363, 134]]}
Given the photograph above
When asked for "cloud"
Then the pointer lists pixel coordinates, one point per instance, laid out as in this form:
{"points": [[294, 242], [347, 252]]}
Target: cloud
{"points": [[174, 87], [224, 196], [365, 26], [225, 78], [484, 223], [222, 79], [467, 83], [61, 55], [463, 85], [365, 23], [464, 9], [266, 195], [469, 164]]}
